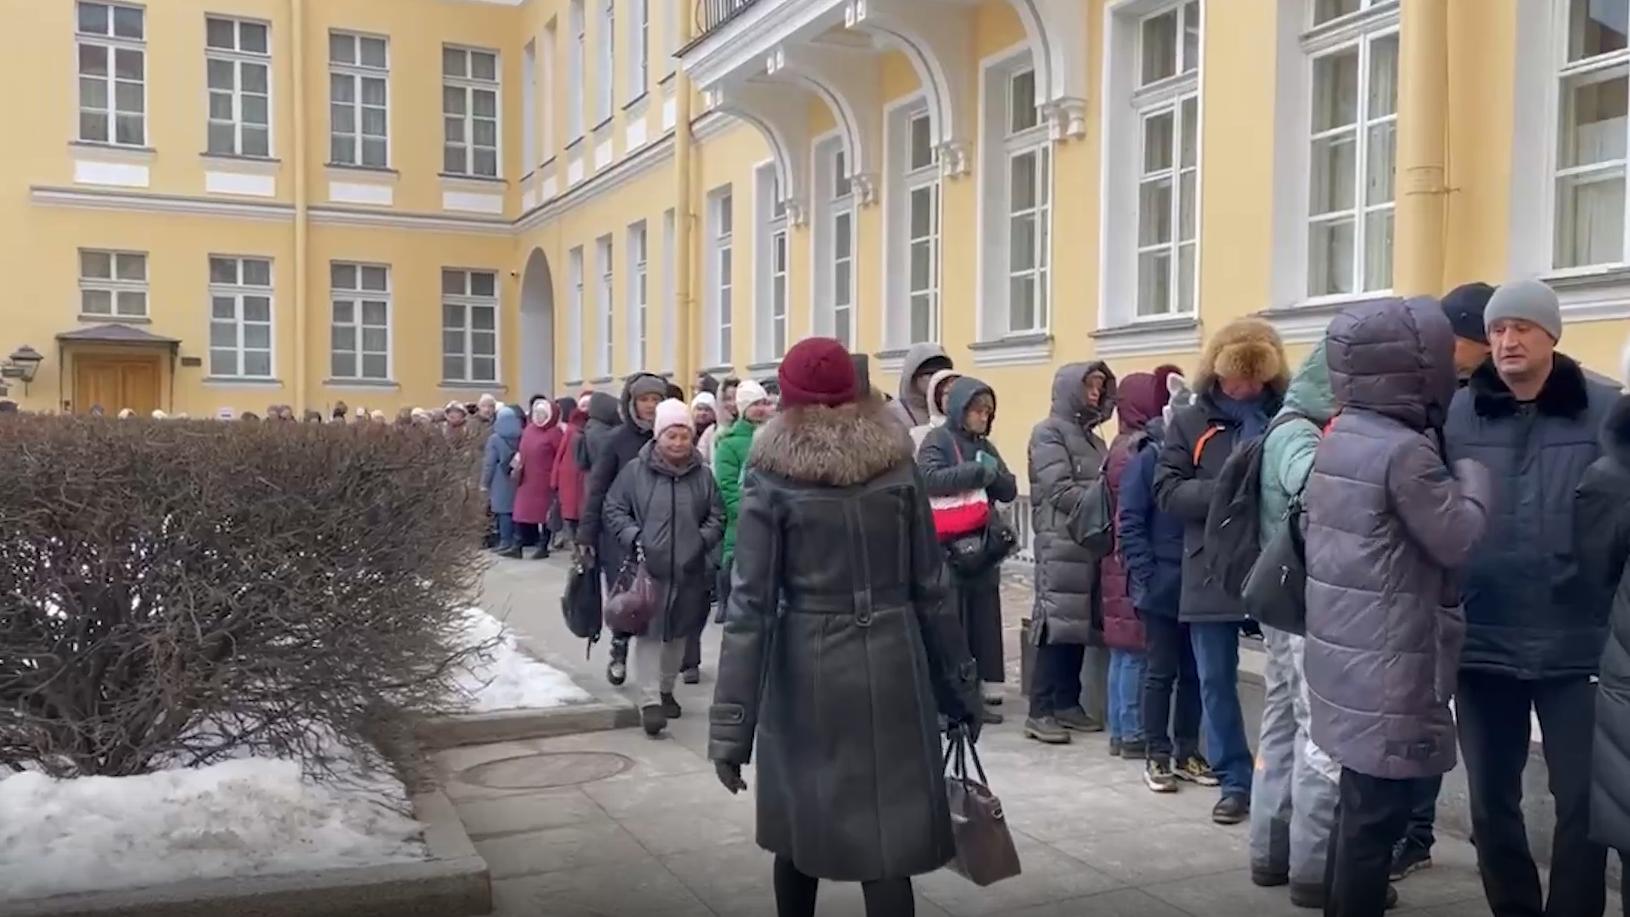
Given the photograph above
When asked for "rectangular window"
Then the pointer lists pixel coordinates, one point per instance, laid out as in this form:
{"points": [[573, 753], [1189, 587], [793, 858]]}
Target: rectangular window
{"points": [[546, 92], [1029, 208], [469, 326], [529, 105], [1592, 127], [721, 271], [670, 298], [1168, 163], [639, 303], [639, 59], [469, 108], [240, 317], [238, 61], [604, 77], [770, 266], [923, 232], [607, 312], [1352, 159], [577, 57], [358, 100], [112, 284], [360, 336], [112, 52], [574, 314]]}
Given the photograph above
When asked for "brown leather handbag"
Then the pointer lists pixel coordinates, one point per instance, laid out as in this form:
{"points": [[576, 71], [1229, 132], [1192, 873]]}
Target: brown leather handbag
{"points": [[984, 848], [634, 598]]}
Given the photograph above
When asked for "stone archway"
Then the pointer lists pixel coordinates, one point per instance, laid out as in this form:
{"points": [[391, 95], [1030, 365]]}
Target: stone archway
{"points": [[537, 350]]}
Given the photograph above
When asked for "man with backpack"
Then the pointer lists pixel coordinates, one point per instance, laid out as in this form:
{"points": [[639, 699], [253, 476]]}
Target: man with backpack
{"points": [[1239, 387]]}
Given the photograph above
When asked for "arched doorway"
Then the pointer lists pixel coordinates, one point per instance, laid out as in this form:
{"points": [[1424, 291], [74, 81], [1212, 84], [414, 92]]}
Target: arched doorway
{"points": [[537, 328]]}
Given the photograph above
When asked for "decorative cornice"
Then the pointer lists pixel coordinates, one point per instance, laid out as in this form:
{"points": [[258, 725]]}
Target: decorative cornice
{"points": [[87, 199], [345, 216]]}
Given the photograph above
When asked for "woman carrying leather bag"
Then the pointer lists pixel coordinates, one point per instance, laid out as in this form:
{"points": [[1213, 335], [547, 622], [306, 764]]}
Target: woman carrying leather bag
{"points": [[839, 651], [665, 512]]}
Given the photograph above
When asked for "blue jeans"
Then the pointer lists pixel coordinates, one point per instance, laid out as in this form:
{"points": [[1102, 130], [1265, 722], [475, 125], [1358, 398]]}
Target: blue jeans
{"points": [[506, 530], [1216, 657], [1126, 672]]}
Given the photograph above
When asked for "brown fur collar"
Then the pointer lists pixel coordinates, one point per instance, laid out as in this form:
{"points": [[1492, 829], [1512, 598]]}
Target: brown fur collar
{"points": [[838, 447], [1563, 395], [1244, 347]]}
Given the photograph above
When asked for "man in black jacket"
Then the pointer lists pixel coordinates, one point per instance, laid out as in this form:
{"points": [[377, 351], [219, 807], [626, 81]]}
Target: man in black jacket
{"points": [[1535, 627], [1242, 380], [595, 544]]}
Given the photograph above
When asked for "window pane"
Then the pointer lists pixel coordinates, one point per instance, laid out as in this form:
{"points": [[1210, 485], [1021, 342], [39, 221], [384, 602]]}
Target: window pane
{"points": [[1157, 142], [1185, 278], [257, 272], [922, 147], [1383, 76], [1155, 212], [343, 276], [1022, 101], [373, 366], [1381, 163], [373, 278], [256, 142], [373, 51], [452, 342], [127, 22], [130, 267], [1022, 243], [373, 122], [922, 266], [1022, 174], [1191, 36], [373, 339], [252, 37], [222, 307], [344, 365], [257, 363], [93, 127], [93, 92], [1186, 206], [342, 336], [1378, 250], [257, 309], [1590, 219], [922, 312], [220, 33], [129, 129], [484, 103], [1326, 10], [222, 138], [483, 66], [373, 153], [1330, 258], [452, 365], [483, 343], [223, 270], [258, 336], [220, 105], [1154, 282], [221, 74], [840, 326], [342, 49], [1593, 119], [254, 77], [1334, 162], [373, 91], [373, 313], [131, 302], [452, 62], [223, 362], [254, 109], [97, 265], [452, 282], [481, 318], [842, 283], [484, 369], [842, 241], [96, 302], [1021, 303], [453, 129], [1335, 90], [93, 60], [127, 63], [93, 18], [922, 212], [1595, 27], [1191, 132], [1159, 48], [342, 88], [482, 283]]}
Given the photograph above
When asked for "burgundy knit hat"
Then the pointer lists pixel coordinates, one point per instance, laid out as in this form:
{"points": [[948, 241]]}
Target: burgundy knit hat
{"points": [[817, 371]]}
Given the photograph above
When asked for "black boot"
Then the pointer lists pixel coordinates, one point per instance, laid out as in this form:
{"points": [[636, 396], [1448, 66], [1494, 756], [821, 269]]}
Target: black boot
{"points": [[617, 668]]}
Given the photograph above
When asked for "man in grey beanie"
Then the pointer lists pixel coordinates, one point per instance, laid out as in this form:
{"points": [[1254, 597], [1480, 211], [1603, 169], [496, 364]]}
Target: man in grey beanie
{"points": [[1535, 630]]}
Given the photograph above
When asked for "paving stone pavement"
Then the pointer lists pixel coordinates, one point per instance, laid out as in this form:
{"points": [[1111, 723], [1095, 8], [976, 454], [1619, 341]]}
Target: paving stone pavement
{"points": [[660, 836]]}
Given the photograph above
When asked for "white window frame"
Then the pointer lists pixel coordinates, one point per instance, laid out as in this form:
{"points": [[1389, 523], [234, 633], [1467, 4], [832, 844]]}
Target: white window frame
{"points": [[639, 59], [905, 181], [721, 266], [670, 297], [357, 296], [1009, 139], [1029, 140], [577, 84], [111, 44], [468, 301], [772, 261], [548, 59], [670, 36], [356, 72], [639, 295], [116, 284], [529, 106], [237, 291], [835, 203], [239, 60], [468, 86], [1565, 72], [574, 314], [605, 305], [1169, 97], [605, 76]]}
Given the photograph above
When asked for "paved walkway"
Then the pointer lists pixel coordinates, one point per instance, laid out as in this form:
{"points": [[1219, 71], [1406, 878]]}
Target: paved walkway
{"points": [[635, 826]]}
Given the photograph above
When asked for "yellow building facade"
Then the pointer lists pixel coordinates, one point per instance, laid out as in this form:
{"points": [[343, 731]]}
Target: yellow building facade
{"points": [[224, 204]]}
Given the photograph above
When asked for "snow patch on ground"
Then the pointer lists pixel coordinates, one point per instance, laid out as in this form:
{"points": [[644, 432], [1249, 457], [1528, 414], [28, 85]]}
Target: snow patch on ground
{"points": [[248, 817], [506, 678]]}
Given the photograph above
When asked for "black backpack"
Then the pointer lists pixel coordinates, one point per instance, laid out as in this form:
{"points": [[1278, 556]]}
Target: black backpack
{"points": [[1233, 522], [580, 603]]}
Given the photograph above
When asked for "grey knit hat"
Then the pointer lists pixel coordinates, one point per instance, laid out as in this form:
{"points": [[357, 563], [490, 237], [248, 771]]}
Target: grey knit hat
{"points": [[1525, 300]]}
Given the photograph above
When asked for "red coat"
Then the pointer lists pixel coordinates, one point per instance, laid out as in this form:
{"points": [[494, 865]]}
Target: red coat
{"points": [[569, 477], [535, 490]]}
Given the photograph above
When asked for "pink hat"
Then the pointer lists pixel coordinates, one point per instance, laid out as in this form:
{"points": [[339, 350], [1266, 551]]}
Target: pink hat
{"points": [[672, 413]]}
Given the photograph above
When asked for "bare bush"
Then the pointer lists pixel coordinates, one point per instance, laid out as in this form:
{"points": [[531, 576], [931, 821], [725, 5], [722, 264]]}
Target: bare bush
{"points": [[180, 592]]}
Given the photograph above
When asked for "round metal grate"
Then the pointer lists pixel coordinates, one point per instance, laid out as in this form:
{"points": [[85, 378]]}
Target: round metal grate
{"points": [[551, 769]]}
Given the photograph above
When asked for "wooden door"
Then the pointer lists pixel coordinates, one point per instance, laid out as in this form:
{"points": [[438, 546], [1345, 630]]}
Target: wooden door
{"points": [[116, 383]]}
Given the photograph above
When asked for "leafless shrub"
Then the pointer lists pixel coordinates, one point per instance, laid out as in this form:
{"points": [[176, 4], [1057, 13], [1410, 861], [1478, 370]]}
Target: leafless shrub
{"points": [[183, 592]]}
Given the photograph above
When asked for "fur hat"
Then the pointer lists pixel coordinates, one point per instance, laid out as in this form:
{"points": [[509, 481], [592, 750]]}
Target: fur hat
{"points": [[672, 413], [1244, 348]]}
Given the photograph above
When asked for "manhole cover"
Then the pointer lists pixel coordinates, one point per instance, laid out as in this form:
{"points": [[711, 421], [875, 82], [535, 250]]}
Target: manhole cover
{"points": [[534, 772]]}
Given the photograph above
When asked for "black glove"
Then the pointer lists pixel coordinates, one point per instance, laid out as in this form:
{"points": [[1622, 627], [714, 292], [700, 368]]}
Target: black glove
{"points": [[584, 556], [730, 775], [969, 725]]}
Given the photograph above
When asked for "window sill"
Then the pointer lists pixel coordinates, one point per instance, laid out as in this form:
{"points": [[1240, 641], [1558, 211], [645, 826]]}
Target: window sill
{"points": [[1146, 338], [1014, 350], [726, 369], [114, 151], [241, 382], [1594, 295], [668, 80], [603, 125], [258, 165], [638, 100], [89, 318], [456, 385], [572, 383], [601, 380], [768, 366], [483, 180], [576, 143], [361, 383], [1305, 322], [383, 173], [892, 360]]}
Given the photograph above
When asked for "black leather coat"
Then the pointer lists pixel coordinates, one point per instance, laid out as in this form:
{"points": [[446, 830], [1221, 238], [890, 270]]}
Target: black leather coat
{"points": [[839, 650]]}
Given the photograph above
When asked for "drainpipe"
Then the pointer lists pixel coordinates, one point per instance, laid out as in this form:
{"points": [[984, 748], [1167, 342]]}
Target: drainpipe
{"points": [[687, 314], [1423, 148], [297, 10]]}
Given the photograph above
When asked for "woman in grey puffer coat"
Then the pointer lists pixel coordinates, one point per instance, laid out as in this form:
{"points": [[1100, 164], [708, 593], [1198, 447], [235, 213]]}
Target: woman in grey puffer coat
{"points": [[1388, 526]]}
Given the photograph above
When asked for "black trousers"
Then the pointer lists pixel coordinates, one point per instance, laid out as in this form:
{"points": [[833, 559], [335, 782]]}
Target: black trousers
{"points": [[1171, 690], [693, 643], [1371, 815], [1493, 715], [1423, 814], [1055, 678], [979, 600], [795, 894]]}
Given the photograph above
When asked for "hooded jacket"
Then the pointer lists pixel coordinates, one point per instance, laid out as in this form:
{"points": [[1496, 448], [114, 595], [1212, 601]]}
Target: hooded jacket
{"points": [[604, 417], [1602, 532], [1528, 611], [935, 417], [495, 458], [947, 455], [674, 515], [1388, 526], [910, 409], [1199, 439], [1287, 452], [535, 479], [1148, 540], [729, 460], [839, 649], [619, 448], [1138, 403], [1066, 456], [570, 477]]}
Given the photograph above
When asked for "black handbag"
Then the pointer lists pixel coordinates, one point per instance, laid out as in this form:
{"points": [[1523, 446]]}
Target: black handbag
{"points": [[1092, 523], [973, 554], [1275, 591]]}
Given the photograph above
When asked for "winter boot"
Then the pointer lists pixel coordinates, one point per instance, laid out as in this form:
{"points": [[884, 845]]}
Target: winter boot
{"points": [[1046, 729], [670, 707], [617, 668], [653, 719]]}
